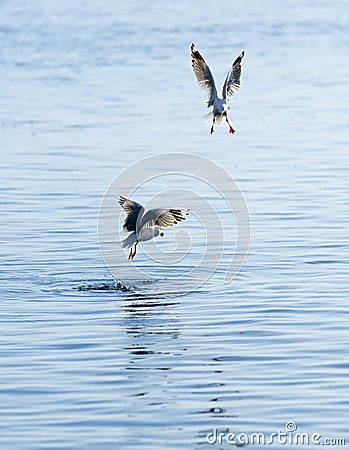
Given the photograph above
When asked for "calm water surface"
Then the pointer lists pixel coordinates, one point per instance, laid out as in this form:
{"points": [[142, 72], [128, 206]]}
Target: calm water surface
{"points": [[87, 90]]}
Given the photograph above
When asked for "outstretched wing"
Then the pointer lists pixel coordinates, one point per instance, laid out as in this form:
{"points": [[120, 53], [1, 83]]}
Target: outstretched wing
{"points": [[203, 74], [163, 217], [133, 209], [232, 82]]}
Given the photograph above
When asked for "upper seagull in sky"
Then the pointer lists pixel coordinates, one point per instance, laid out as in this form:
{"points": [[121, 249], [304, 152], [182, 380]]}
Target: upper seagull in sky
{"points": [[205, 79], [145, 226]]}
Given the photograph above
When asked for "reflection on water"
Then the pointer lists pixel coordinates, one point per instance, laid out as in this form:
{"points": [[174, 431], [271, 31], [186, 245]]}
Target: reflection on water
{"points": [[146, 316]]}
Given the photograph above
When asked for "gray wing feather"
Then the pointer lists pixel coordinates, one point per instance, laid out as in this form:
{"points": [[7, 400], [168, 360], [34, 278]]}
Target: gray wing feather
{"points": [[162, 217], [203, 74], [232, 82]]}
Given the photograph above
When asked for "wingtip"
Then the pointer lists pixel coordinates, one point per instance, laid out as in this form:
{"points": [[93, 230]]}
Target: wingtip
{"points": [[121, 200], [239, 58]]}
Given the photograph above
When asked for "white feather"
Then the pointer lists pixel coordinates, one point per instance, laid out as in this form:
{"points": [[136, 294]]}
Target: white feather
{"points": [[129, 241]]}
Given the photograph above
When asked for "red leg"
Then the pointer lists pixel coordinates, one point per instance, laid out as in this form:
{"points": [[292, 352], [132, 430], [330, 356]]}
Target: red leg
{"points": [[212, 128], [231, 129], [133, 251]]}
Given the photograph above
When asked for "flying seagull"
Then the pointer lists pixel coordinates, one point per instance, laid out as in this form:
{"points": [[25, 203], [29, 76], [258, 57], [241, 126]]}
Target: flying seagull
{"points": [[205, 79], [145, 226]]}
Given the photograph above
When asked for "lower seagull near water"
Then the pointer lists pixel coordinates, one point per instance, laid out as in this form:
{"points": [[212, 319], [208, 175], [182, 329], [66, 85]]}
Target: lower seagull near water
{"points": [[219, 103], [145, 226]]}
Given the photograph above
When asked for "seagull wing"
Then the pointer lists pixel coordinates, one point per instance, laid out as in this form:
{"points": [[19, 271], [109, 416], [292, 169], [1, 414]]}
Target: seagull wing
{"points": [[203, 75], [232, 82], [163, 217], [133, 209]]}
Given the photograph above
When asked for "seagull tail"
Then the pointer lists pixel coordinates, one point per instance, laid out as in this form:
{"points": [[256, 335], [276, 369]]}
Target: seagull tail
{"points": [[219, 120], [129, 241], [208, 117]]}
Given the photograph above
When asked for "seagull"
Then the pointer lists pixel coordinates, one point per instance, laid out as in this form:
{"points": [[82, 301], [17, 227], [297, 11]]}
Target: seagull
{"points": [[206, 81], [145, 226]]}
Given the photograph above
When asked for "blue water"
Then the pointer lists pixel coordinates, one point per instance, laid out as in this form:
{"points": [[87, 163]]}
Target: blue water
{"points": [[89, 88]]}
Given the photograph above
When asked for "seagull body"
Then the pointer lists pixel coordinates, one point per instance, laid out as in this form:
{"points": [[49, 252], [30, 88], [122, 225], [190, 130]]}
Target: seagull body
{"points": [[219, 103], [145, 226]]}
